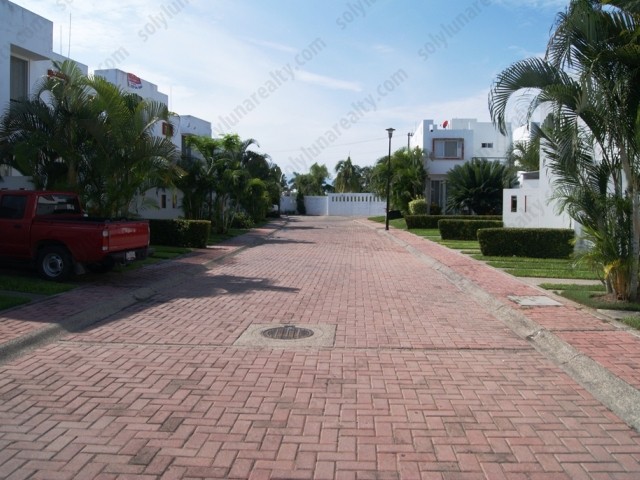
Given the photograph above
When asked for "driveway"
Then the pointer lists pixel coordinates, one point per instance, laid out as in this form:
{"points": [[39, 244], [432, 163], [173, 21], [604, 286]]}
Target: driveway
{"points": [[421, 363]]}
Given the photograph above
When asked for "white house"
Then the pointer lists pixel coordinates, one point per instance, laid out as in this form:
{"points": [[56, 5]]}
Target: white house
{"points": [[453, 143], [532, 205], [26, 54]]}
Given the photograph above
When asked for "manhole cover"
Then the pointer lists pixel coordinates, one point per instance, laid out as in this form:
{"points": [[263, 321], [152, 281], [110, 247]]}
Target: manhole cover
{"points": [[287, 332], [278, 335]]}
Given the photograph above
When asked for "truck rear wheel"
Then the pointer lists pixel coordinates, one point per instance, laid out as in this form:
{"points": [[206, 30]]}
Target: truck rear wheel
{"points": [[54, 263]]}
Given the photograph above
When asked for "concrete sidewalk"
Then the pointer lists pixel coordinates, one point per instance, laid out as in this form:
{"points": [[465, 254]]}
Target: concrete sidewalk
{"points": [[423, 363]]}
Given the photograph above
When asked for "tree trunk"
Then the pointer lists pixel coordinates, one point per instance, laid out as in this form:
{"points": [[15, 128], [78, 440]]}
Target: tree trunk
{"points": [[632, 186]]}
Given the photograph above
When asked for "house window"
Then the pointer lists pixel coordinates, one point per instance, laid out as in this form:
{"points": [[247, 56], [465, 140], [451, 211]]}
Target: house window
{"points": [[163, 201], [487, 145], [448, 148], [174, 200], [18, 80], [167, 129], [514, 203]]}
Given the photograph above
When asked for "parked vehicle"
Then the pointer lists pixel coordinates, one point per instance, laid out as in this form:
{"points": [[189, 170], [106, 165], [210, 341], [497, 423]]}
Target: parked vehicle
{"points": [[50, 230]]}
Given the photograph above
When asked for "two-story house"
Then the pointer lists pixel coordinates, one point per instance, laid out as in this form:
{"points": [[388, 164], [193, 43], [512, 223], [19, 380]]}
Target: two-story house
{"points": [[453, 143]]}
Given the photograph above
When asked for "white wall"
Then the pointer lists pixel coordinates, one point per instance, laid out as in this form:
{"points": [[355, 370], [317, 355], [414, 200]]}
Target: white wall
{"points": [[536, 207], [288, 203], [150, 205], [355, 205], [316, 205], [338, 204]]}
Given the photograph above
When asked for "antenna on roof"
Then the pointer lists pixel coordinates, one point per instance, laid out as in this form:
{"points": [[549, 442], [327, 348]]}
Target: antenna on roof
{"points": [[69, 47]]}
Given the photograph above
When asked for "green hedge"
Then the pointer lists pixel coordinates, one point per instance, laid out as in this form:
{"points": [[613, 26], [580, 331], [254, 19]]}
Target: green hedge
{"points": [[180, 233], [431, 221], [526, 242], [465, 229]]}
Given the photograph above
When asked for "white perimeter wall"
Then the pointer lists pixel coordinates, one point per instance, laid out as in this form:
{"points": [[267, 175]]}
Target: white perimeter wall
{"points": [[338, 204]]}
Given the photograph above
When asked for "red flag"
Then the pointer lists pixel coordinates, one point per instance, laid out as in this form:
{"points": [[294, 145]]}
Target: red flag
{"points": [[445, 123]]}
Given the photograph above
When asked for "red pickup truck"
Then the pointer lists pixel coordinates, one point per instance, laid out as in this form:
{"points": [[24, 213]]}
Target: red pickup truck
{"points": [[50, 230]]}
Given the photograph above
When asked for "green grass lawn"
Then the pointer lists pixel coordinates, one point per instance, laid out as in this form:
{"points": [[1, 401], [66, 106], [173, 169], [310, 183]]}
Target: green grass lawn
{"points": [[11, 301], [31, 284]]}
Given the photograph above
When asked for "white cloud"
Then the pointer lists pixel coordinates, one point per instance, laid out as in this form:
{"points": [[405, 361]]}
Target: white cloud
{"points": [[328, 82]]}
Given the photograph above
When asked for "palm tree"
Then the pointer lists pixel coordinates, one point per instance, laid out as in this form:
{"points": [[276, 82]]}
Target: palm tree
{"points": [[477, 186], [408, 177], [524, 155], [127, 158], [590, 83], [312, 183], [46, 136], [347, 177]]}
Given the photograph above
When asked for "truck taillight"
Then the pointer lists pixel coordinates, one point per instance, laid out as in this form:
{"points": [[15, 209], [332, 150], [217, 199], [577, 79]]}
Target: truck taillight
{"points": [[105, 240]]}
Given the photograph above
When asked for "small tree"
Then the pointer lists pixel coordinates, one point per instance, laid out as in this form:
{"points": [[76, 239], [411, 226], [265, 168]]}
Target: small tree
{"points": [[408, 177], [477, 186]]}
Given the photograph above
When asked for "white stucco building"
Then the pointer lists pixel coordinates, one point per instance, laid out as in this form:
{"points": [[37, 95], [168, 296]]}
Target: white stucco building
{"points": [[26, 54], [453, 143], [531, 204]]}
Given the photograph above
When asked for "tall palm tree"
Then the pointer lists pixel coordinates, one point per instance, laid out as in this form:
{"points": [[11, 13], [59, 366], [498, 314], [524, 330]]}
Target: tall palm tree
{"points": [[347, 177], [589, 81]]}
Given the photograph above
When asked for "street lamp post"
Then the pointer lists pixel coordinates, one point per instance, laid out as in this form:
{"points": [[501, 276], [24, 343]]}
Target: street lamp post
{"points": [[386, 223]]}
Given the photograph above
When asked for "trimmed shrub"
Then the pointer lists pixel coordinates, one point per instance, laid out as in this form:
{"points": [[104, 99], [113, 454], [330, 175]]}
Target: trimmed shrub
{"points": [[180, 233], [418, 207], [242, 220], [465, 229], [431, 221], [526, 242]]}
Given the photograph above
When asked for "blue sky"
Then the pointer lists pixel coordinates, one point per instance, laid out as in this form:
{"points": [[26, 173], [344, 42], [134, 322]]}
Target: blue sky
{"points": [[311, 81]]}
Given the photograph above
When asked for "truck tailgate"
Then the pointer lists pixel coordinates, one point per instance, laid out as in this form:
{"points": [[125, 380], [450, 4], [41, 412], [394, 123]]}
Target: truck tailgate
{"points": [[127, 235]]}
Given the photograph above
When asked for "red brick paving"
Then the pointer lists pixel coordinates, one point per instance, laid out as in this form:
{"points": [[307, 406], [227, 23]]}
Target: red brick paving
{"points": [[423, 381]]}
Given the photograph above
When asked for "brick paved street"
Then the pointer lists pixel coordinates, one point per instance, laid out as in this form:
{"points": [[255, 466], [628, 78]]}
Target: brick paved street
{"points": [[433, 372]]}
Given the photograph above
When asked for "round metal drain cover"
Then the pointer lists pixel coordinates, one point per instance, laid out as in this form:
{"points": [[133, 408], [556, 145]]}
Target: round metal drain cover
{"points": [[287, 332]]}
